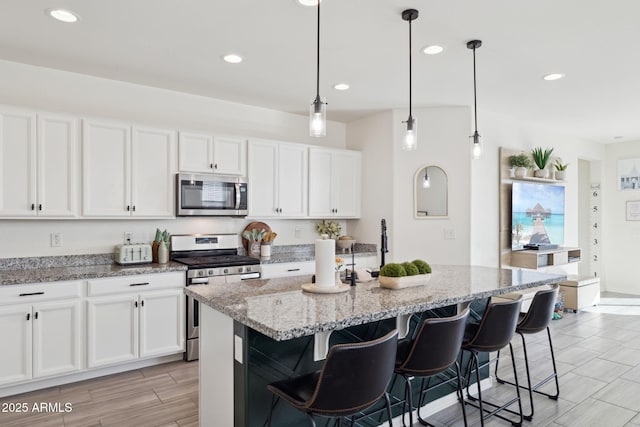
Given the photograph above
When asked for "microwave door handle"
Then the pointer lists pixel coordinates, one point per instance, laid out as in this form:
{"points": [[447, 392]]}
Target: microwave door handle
{"points": [[237, 195]]}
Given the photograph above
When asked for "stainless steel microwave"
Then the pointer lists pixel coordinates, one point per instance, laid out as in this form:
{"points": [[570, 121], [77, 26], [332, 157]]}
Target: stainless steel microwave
{"points": [[211, 195]]}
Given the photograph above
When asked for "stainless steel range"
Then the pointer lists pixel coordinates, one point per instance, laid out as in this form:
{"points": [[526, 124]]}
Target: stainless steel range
{"points": [[211, 259]]}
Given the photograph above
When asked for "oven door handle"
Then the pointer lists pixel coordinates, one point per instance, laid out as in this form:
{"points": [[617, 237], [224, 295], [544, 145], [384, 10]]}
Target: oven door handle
{"points": [[198, 281], [237, 195]]}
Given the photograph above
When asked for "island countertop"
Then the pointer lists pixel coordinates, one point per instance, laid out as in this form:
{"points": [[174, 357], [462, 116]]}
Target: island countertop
{"points": [[280, 309]]}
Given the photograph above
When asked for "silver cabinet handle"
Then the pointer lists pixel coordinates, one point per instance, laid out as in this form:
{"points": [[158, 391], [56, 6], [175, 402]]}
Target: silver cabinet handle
{"points": [[237, 185]]}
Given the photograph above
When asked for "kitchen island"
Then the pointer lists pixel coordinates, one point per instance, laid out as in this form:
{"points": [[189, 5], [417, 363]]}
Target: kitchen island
{"points": [[258, 331]]}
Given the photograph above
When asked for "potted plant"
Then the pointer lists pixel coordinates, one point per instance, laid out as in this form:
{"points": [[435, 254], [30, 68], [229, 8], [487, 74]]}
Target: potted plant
{"points": [[404, 275], [541, 158], [561, 169], [519, 162]]}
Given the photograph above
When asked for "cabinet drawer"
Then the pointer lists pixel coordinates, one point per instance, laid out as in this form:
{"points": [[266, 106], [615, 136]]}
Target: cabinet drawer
{"points": [[34, 292], [288, 269], [136, 283]]}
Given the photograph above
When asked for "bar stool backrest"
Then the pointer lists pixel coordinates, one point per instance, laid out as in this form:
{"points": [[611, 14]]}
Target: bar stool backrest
{"points": [[436, 345], [540, 312], [354, 376], [496, 328]]}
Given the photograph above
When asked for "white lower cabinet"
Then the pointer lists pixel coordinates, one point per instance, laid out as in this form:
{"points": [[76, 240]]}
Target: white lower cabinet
{"points": [[131, 324], [40, 340]]}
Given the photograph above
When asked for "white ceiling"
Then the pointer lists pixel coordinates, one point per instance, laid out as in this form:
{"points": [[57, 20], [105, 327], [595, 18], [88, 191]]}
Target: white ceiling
{"points": [[177, 44]]}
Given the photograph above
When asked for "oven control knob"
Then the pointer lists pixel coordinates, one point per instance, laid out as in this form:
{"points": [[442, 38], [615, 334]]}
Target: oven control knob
{"points": [[226, 270], [200, 273], [210, 272], [240, 269], [248, 269]]}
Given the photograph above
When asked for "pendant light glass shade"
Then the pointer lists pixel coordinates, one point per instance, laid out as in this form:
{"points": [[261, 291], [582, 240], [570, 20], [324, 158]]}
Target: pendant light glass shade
{"points": [[426, 183], [410, 138], [476, 147], [318, 108], [318, 118]]}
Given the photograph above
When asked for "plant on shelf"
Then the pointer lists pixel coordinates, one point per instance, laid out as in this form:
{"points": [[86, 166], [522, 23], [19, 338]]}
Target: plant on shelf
{"points": [[519, 162], [541, 158], [561, 169]]}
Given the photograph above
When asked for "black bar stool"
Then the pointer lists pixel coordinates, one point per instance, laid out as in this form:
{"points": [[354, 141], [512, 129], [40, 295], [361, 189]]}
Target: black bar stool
{"points": [[494, 332], [434, 349], [353, 377], [533, 321]]}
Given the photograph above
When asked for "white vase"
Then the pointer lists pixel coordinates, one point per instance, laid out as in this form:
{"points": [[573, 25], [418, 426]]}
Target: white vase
{"points": [[163, 253], [561, 175], [540, 173], [338, 280], [521, 172], [512, 172]]}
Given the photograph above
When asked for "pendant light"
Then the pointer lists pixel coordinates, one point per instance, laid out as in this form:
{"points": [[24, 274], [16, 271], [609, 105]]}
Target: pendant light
{"points": [[318, 109], [410, 139], [426, 182], [476, 149]]}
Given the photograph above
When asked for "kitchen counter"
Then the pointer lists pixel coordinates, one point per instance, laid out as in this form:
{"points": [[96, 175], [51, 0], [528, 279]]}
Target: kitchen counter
{"points": [[279, 309], [17, 271]]}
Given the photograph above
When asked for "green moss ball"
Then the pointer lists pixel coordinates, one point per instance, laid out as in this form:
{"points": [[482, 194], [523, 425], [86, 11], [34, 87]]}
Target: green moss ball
{"points": [[393, 270], [423, 266], [410, 268]]}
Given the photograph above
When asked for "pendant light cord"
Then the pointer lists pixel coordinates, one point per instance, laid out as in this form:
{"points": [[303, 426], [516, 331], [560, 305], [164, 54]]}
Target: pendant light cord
{"points": [[318, 57], [410, 116], [475, 105]]}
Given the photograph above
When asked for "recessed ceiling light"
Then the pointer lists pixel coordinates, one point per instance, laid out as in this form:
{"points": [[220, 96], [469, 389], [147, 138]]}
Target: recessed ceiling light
{"points": [[433, 49], [341, 86], [62, 15], [309, 2], [232, 58], [553, 76]]}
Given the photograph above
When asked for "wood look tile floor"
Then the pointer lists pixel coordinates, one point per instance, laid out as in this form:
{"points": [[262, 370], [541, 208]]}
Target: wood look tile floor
{"points": [[597, 353]]}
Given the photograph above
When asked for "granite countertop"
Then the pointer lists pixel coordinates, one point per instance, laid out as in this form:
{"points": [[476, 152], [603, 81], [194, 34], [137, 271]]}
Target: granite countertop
{"points": [[17, 271], [303, 253], [279, 309]]}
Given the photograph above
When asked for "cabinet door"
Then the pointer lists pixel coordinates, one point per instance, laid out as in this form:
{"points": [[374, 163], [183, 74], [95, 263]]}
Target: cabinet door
{"points": [[346, 172], [106, 169], [195, 152], [263, 192], [57, 166], [292, 180], [153, 169], [230, 156], [17, 163], [56, 338], [112, 330], [15, 335], [320, 183], [162, 319]]}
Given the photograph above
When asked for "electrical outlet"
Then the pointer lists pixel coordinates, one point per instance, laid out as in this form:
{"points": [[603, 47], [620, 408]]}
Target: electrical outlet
{"points": [[449, 234], [297, 232], [128, 237], [56, 240]]}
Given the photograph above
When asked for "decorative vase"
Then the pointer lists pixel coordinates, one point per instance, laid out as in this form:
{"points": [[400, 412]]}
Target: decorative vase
{"points": [[254, 248], [163, 253], [521, 172], [560, 175], [338, 279], [512, 172], [265, 250], [540, 173]]}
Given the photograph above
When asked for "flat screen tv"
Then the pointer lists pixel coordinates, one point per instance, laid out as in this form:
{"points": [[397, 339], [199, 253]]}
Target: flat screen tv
{"points": [[537, 214]]}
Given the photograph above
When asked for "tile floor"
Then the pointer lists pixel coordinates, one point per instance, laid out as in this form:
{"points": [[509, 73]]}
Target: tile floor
{"points": [[597, 353]]}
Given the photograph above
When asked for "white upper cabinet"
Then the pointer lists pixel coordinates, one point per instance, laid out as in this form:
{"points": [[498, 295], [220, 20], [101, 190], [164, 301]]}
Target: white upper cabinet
{"points": [[38, 156], [206, 153], [277, 179], [125, 176], [334, 183]]}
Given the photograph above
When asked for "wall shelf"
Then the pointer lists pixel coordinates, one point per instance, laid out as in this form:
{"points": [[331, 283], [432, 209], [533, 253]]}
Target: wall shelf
{"points": [[534, 179]]}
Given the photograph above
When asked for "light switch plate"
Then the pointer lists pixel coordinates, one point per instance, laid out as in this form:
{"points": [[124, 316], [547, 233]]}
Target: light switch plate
{"points": [[449, 234]]}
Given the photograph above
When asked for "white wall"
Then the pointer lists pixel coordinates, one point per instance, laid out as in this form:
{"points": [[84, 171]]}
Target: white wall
{"points": [[498, 130], [46, 89], [621, 238], [388, 182]]}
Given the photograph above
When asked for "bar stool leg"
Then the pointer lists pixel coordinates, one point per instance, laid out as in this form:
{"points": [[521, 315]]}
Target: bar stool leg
{"points": [[387, 402]]}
